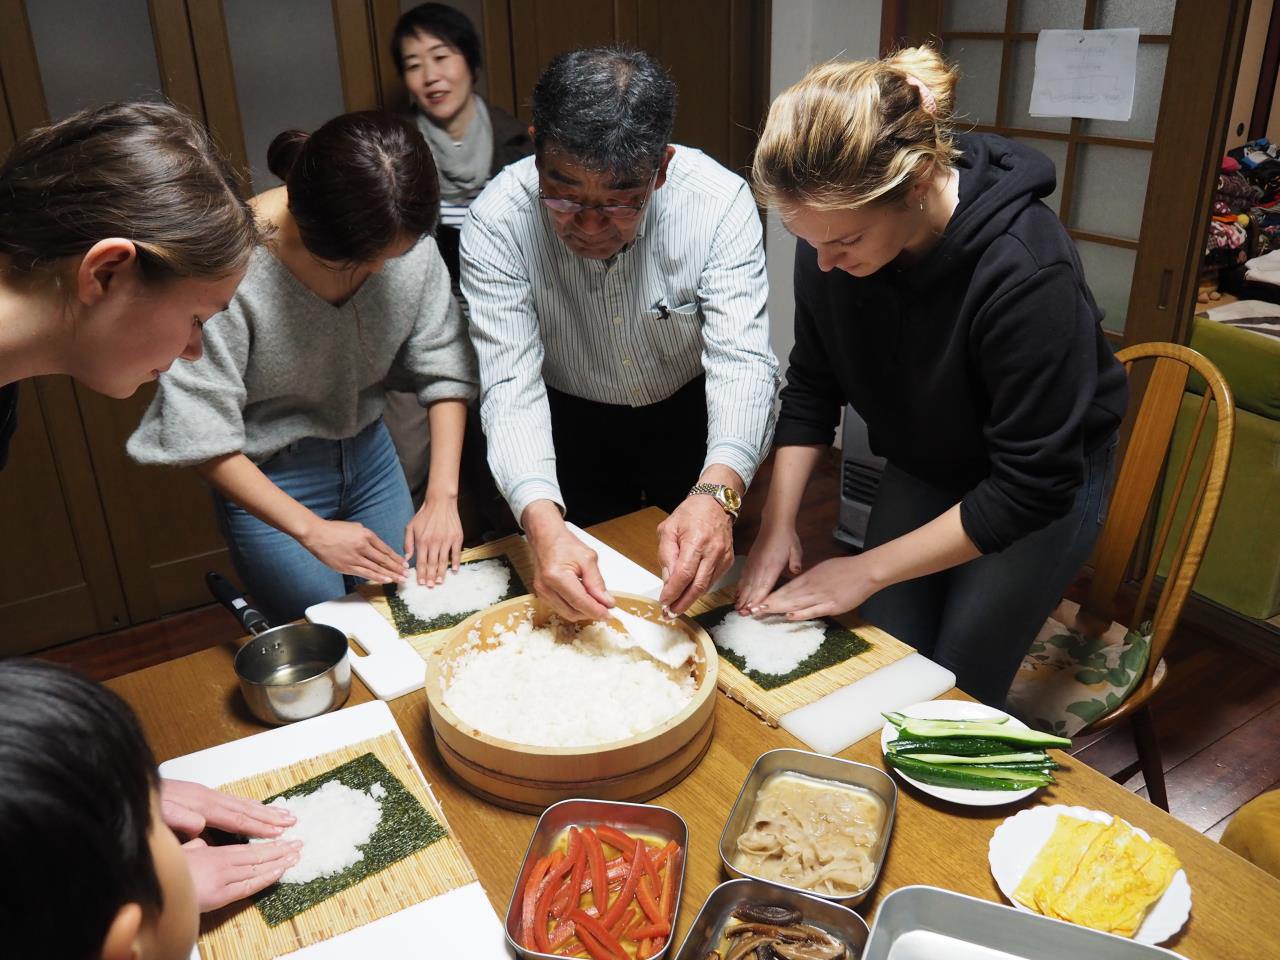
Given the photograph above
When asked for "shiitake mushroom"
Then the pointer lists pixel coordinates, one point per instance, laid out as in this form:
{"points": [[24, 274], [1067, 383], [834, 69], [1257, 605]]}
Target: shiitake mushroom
{"points": [[767, 913]]}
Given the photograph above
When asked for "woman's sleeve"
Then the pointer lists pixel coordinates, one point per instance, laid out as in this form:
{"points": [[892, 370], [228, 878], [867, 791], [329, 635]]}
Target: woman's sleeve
{"points": [[812, 399], [198, 410], [1035, 345], [437, 358]]}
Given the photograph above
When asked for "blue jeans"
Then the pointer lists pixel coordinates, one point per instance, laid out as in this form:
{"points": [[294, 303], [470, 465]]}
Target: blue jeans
{"points": [[358, 479], [979, 619]]}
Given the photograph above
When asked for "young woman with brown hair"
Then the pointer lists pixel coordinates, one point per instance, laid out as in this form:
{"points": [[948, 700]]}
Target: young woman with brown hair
{"points": [[937, 294], [121, 233], [347, 299]]}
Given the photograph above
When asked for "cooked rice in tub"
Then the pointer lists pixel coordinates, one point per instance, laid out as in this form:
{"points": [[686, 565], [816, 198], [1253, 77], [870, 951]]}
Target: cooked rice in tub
{"points": [[559, 686]]}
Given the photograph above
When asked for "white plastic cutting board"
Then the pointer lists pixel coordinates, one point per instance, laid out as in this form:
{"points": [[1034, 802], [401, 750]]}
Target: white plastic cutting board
{"points": [[460, 923]]}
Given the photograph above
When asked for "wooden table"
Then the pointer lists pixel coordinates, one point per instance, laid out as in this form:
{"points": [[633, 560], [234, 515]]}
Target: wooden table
{"points": [[193, 703]]}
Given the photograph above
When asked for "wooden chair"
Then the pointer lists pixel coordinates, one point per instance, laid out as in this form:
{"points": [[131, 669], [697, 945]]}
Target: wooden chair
{"points": [[1135, 498]]}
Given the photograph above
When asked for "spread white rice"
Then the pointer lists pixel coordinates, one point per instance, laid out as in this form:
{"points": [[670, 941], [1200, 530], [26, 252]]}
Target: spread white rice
{"points": [[474, 587], [333, 823], [772, 645], [536, 689]]}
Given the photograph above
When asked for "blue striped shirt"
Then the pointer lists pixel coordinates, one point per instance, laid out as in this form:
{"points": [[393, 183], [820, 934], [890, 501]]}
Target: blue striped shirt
{"points": [[687, 296]]}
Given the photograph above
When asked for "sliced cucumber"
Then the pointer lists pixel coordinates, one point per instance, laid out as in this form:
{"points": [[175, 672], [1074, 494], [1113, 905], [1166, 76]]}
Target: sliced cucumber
{"points": [[952, 728], [961, 746], [970, 778], [1035, 758], [898, 719]]}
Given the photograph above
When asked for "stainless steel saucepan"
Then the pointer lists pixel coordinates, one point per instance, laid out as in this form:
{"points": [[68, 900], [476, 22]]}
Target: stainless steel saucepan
{"points": [[287, 673]]}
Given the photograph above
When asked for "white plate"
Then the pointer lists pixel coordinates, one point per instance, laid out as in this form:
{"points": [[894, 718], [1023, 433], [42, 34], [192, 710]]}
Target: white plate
{"points": [[956, 710], [1016, 842]]}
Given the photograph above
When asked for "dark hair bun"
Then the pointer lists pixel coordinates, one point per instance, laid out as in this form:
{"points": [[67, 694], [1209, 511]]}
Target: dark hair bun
{"points": [[285, 150]]}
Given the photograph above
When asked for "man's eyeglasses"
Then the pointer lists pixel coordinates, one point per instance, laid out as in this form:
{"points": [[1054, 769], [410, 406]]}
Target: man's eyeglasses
{"points": [[614, 211], [624, 212]]}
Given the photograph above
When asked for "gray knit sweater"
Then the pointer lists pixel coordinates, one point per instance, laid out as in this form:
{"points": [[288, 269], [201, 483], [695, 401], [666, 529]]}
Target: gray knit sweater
{"points": [[283, 364]]}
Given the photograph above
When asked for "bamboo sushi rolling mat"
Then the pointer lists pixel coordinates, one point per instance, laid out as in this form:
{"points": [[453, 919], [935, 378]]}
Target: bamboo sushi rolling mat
{"points": [[425, 644], [768, 705], [239, 932]]}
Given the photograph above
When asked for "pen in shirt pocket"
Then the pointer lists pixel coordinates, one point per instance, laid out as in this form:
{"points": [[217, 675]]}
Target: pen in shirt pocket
{"points": [[664, 310]]}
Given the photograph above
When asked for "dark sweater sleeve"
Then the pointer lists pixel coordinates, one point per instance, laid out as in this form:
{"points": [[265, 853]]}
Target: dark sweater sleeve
{"points": [[812, 399], [1035, 347]]}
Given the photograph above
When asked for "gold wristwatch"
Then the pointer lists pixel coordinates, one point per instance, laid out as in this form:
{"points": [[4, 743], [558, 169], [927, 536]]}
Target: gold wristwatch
{"points": [[727, 497]]}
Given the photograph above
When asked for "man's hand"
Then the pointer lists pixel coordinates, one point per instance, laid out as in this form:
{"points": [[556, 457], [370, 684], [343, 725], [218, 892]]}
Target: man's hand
{"points": [[832, 587], [228, 873], [188, 808], [567, 576], [695, 545]]}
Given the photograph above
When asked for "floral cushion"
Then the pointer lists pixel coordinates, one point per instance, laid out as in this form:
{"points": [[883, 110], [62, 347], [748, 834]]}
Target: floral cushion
{"points": [[1070, 678]]}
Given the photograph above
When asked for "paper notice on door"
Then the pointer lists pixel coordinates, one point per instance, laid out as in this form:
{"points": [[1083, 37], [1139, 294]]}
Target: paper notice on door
{"points": [[1085, 73]]}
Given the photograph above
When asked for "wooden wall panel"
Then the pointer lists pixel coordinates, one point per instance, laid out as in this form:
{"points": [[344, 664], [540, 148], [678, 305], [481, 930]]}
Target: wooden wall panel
{"points": [[353, 24], [218, 83], [540, 29], [717, 52], [57, 572], [176, 55]]}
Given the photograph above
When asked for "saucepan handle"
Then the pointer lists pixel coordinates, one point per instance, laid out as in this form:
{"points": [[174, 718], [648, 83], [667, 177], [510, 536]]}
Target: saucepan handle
{"points": [[226, 594]]}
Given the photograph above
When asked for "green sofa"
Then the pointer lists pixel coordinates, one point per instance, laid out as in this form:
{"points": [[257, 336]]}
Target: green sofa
{"points": [[1241, 567]]}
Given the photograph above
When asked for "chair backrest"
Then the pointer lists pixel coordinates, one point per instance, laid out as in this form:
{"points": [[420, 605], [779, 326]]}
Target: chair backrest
{"points": [[1138, 486]]}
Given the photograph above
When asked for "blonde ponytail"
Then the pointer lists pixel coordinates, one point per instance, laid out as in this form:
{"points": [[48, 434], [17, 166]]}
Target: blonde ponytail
{"points": [[853, 133]]}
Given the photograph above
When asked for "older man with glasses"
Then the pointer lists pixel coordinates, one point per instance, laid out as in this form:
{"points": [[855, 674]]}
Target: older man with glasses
{"points": [[617, 289]]}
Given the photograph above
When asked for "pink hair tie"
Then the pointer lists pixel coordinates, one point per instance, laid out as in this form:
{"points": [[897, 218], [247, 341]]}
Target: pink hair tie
{"points": [[927, 100]]}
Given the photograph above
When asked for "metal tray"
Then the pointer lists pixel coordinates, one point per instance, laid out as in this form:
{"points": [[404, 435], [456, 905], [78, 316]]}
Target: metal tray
{"points": [[636, 817], [924, 923], [707, 926], [822, 768]]}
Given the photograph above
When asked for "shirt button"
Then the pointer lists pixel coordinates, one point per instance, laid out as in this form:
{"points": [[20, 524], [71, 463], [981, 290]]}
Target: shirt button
{"points": [[626, 361], [617, 321]]}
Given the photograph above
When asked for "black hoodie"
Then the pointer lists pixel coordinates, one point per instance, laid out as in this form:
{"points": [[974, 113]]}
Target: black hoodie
{"points": [[981, 369]]}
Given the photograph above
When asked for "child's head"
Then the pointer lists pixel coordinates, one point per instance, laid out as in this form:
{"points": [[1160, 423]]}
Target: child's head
{"points": [[89, 866]]}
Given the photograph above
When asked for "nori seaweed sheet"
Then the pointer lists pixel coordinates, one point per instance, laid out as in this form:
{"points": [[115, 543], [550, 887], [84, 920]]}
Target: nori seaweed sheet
{"points": [[405, 828], [840, 644], [407, 625]]}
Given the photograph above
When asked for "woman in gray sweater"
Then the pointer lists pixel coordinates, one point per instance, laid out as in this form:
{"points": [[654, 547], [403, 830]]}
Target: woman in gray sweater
{"points": [[348, 298]]}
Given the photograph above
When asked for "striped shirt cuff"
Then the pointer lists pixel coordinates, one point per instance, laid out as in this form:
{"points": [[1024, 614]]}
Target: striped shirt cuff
{"points": [[526, 491], [738, 457]]}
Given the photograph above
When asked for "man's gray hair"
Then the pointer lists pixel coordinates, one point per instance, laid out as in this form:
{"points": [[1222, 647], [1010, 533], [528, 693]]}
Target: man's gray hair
{"points": [[607, 108]]}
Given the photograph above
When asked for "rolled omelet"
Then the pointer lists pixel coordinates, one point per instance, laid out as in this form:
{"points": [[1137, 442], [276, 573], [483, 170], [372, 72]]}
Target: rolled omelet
{"points": [[1106, 878]]}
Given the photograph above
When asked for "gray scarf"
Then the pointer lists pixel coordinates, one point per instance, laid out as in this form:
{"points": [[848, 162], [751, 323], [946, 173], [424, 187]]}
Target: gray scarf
{"points": [[463, 167]]}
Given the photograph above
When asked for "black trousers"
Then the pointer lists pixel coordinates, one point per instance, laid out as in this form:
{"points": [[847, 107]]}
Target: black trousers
{"points": [[612, 459]]}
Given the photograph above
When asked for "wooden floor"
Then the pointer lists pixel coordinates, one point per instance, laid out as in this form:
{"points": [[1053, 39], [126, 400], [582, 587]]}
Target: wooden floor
{"points": [[1217, 716]]}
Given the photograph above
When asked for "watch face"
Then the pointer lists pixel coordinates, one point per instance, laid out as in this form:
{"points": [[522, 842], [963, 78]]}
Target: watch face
{"points": [[731, 499]]}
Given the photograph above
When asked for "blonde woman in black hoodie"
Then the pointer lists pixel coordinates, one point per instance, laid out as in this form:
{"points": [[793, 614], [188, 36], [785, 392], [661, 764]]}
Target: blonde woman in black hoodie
{"points": [[939, 296]]}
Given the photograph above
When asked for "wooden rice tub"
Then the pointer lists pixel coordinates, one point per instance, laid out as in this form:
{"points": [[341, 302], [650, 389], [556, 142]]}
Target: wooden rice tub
{"points": [[530, 778]]}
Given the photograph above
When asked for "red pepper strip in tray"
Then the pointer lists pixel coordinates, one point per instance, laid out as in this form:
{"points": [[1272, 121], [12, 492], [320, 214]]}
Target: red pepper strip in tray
{"points": [[651, 872], [617, 839], [589, 928], [530, 900], [667, 902], [548, 890], [595, 948], [628, 889], [651, 930], [661, 856], [648, 903], [595, 861], [561, 935]]}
